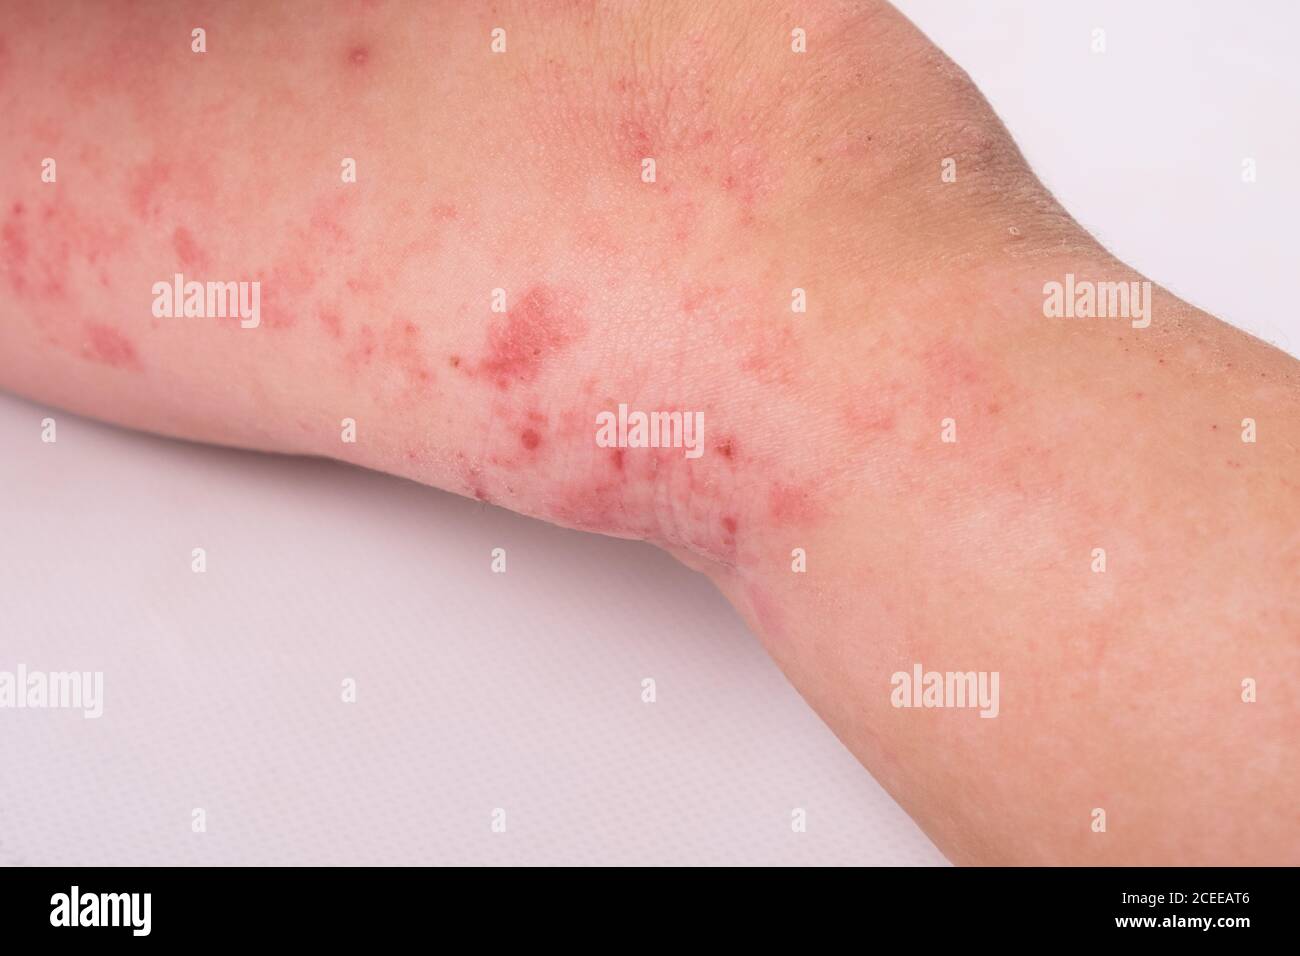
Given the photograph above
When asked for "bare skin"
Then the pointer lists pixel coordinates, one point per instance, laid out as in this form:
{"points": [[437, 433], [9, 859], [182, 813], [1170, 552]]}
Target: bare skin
{"points": [[774, 171]]}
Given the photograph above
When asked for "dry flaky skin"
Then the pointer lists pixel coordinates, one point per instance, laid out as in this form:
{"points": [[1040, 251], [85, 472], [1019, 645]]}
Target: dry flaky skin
{"points": [[521, 171]]}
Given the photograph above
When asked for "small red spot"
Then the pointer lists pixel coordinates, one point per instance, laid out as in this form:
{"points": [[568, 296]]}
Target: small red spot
{"points": [[635, 140], [454, 361], [109, 347], [358, 55], [530, 439], [53, 288], [444, 211], [361, 284], [325, 222], [187, 250], [14, 245], [362, 353], [696, 297], [726, 449], [872, 420], [953, 365], [332, 321], [619, 453], [729, 524], [144, 182]]}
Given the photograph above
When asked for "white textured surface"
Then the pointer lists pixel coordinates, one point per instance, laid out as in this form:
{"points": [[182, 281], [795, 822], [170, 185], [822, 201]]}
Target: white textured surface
{"points": [[475, 690], [522, 690]]}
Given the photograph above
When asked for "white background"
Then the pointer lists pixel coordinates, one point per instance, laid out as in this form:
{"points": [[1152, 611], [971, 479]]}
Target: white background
{"points": [[522, 690]]}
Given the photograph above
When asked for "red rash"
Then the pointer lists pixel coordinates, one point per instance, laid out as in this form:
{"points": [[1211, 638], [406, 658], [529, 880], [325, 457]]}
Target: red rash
{"points": [[188, 252], [332, 321], [145, 181], [283, 292], [109, 347], [543, 322], [869, 420], [953, 365], [364, 350], [14, 244], [787, 504], [327, 222], [601, 508], [40, 269]]}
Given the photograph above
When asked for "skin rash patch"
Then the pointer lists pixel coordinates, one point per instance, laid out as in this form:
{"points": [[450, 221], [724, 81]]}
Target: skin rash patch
{"points": [[188, 253], [13, 242], [44, 248], [109, 347], [541, 324]]}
